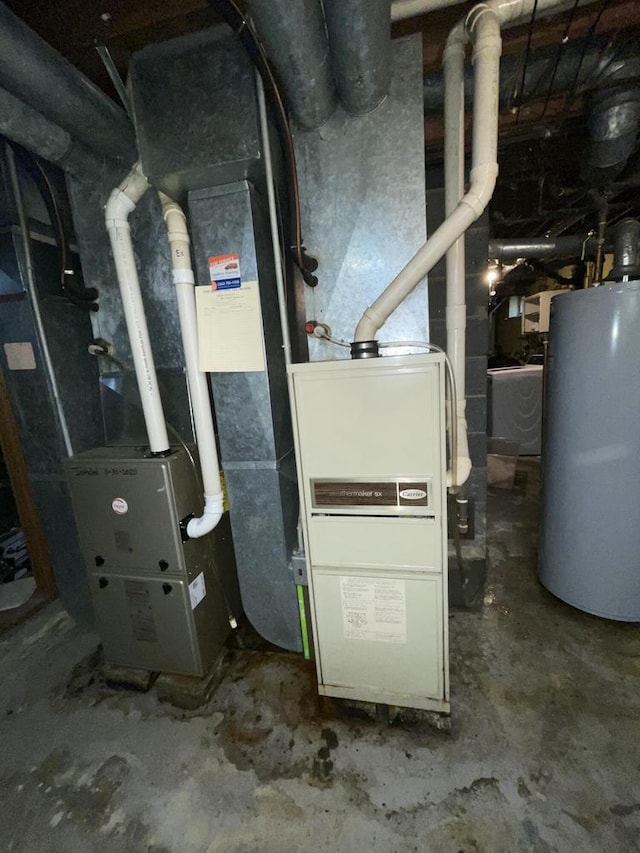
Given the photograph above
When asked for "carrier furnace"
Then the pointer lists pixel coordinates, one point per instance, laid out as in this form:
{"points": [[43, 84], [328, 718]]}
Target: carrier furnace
{"points": [[370, 442]]}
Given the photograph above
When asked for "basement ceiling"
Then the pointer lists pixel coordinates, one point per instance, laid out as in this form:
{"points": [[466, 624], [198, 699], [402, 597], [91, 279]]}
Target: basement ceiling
{"points": [[540, 189]]}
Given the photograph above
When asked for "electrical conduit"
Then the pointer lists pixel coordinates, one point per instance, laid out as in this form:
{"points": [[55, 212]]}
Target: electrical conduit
{"points": [[184, 281], [122, 202]]}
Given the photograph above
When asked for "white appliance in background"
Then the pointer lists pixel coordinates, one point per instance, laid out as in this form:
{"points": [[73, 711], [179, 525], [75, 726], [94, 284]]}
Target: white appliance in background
{"points": [[370, 443], [514, 406]]}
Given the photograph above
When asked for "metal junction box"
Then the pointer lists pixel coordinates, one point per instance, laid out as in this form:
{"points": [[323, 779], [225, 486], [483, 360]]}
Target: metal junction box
{"points": [[161, 603], [370, 439]]}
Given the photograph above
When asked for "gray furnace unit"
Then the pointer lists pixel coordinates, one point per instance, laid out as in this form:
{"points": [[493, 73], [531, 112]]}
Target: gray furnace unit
{"points": [[162, 603]]}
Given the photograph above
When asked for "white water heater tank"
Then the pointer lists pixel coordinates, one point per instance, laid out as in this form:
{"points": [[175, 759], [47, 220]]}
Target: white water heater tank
{"points": [[590, 540]]}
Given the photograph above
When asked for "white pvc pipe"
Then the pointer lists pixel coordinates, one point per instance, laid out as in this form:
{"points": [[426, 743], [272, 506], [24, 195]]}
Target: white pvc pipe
{"points": [[122, 202], [456, 312], [184, 281], [402, 9], [509, 11], [485, 33]]}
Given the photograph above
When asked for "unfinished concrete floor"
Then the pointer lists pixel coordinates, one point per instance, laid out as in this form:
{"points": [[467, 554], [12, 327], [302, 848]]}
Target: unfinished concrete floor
{"points": [[544, 754]]}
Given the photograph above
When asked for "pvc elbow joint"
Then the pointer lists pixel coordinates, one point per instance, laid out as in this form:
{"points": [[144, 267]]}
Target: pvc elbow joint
{"points": [[210, 518]]}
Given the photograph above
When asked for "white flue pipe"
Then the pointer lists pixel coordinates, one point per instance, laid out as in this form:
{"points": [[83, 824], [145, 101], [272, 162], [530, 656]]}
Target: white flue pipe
{"points": [[122, 202], [510, 12], [456, 311], [484, 30], [402, 9], [184, 282]]}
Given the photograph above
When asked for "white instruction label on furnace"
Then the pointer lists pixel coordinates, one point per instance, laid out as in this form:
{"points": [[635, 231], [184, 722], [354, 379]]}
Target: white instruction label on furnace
{"points": [[230, 329], [197, 590], [374, 609]]}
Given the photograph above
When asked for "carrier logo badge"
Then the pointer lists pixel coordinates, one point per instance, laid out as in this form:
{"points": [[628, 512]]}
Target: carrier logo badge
{"points": [[119, 506], [413, 494]]}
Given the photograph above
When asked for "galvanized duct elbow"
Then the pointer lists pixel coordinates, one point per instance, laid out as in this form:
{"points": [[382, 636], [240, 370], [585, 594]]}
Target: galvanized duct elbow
{"points": [[360, 41], [295, 39], [613, 126], [30, 69], [28, 128]]}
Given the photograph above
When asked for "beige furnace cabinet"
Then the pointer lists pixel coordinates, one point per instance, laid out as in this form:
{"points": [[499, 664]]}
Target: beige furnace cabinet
{"points": [[370, 443]]}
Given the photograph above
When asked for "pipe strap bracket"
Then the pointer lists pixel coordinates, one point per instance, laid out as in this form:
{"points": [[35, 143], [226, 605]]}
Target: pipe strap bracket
{"points": [[183, 277]]}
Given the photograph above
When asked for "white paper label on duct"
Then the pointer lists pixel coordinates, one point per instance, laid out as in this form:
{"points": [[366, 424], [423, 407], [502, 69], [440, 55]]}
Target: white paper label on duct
{"points": [[374, 609], [20, 356], [197, 590], [230, 329]]}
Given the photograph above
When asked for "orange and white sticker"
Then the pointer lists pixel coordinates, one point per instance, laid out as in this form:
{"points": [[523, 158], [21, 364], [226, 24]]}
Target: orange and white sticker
{"points": [[224, 272]]}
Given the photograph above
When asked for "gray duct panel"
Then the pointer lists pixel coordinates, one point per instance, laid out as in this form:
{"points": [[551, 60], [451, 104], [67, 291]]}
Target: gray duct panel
{"points": [[252, 409], [68, 331], [590, 538], [362, 187], [32, 70], [252, 413], [195, 112], [294, 35], [264, 514], [360, 41]]}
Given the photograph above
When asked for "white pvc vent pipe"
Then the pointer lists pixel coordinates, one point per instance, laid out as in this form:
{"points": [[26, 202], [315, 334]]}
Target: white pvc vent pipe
{"points": [[122, 202], [482, 27], [184, 281]]}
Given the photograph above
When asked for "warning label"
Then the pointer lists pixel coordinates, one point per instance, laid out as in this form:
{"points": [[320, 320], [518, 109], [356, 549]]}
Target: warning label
{"points": [[224, 272], [374, 609]]}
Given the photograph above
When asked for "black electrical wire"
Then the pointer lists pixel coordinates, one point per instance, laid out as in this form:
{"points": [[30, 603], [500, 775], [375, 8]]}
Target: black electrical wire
{"points": [[526, 58], [563, 41], [77, 294], [231, 14]]}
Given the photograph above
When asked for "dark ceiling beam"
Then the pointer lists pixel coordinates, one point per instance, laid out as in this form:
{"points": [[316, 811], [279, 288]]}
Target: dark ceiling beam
{"points": [[436, 26], [511, 126]]}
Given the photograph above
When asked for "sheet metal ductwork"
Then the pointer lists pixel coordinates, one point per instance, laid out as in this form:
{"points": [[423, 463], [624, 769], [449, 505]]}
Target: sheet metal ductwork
{"points": [[613, 126], [31, 70], [360, 39], [569, 246], [295, 38], [28, 128]]}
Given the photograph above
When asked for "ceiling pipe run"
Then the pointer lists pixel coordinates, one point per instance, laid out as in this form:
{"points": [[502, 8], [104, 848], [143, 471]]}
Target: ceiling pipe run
{"points": [[30, 69], [577, 68], [403, 9], [360, 43], [568, 247], [295, 38], [28, 128]]}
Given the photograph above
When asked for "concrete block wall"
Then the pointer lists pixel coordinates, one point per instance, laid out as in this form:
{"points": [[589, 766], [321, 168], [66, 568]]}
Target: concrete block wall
{"points": [[477, 239]]}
